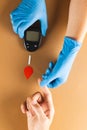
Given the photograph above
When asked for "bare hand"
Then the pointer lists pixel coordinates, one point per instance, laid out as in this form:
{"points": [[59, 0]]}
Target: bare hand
{"points": [[39, 110]]}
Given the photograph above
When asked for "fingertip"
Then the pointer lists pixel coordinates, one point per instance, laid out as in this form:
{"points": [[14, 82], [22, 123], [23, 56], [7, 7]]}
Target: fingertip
{"points": [[44, 82], [41, 84], [51, 65], [28, 100], [43, 33], [44, 76], [22, 107], [21, 30], [44, 88], [14, 29], [21, 35], [39, 80], [10, 16], [44, 30]]}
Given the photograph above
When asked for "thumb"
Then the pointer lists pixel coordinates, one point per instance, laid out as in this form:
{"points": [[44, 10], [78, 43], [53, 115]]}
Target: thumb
{"points": [[44, 25], [23, 26]]}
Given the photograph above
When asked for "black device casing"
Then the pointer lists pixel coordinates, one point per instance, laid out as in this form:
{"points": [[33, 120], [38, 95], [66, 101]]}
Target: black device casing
{"points": [[30, 45]]}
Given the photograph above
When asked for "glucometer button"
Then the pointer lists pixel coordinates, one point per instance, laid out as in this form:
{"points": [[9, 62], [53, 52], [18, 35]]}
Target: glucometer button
{"points": [[27, 46], [35, 45], [27, 43]]}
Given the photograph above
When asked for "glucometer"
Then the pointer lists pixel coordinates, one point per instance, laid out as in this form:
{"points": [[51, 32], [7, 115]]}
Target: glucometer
{"points": [[33, 36]]}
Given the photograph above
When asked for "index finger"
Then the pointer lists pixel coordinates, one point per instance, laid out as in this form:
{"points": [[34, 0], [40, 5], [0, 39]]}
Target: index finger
{"points": [[48, 97]]}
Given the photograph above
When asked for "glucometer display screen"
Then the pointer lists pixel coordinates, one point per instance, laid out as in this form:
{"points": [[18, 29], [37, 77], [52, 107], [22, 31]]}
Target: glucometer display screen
{"points": [[32, 36]]}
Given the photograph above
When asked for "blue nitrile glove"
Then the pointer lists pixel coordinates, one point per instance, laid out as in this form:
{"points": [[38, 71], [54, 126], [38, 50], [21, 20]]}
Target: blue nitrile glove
{"points": [[58, 73], [27, 13]]}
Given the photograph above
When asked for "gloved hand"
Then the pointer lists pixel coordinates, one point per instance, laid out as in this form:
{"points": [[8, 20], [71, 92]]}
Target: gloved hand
{"points": [[58, 73], [27, 13]]}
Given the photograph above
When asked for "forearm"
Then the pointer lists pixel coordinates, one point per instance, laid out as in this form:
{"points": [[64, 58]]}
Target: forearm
{"points": [[77, 20]]}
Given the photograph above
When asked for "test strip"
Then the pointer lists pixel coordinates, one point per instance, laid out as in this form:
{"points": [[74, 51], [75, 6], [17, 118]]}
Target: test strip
{"points": [[29, 59]]}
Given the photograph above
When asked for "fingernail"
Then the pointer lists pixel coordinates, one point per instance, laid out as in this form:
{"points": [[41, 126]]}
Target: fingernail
{"points": [[34, 102]]}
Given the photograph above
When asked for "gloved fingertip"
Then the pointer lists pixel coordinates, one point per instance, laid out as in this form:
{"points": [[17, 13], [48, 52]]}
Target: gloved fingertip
{"points": [[48, 71], [41, 85], [43, 33], [14, 29], [10, 16], [43, 30], [51, 65], [21, 35], [44, 76]]}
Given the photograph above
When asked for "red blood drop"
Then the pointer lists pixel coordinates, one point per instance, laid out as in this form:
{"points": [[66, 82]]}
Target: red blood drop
{"points": [[28, 71]]}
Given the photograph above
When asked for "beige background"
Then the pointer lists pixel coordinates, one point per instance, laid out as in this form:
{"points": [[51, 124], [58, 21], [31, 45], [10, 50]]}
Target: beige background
{"points": [[70, 99]]}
